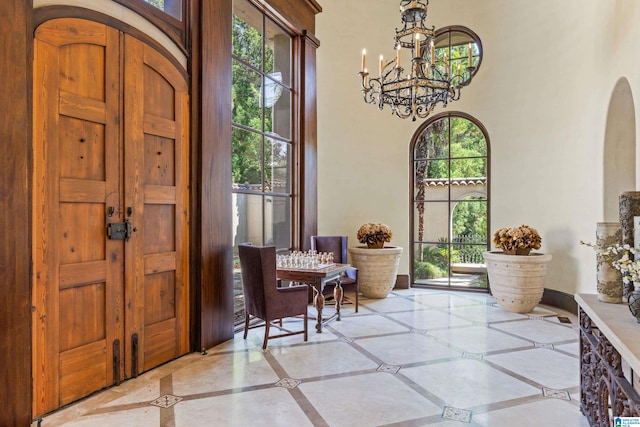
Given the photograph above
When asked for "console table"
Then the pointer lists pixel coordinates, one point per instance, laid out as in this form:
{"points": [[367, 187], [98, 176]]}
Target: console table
{"points": [[609, 361]]}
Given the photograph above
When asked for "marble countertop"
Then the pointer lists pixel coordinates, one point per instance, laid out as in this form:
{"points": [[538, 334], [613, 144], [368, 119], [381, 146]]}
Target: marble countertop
{"points": [[618, 325]]}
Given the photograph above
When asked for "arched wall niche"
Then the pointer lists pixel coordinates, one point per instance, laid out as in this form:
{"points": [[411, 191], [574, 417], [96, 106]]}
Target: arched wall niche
{"points": [[619, 149]]}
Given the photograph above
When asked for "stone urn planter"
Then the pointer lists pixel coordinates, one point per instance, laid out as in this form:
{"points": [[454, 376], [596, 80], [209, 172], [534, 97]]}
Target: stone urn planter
{"points": [[609, 280], [377, 269], [517, 281]]}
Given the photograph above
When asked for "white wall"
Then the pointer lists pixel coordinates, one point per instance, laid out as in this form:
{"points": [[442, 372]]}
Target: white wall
{"points": [[543, 93]]}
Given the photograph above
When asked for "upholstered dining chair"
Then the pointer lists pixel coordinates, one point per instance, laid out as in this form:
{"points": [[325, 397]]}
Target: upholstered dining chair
{"points": [[263, 298], [337, 245]]}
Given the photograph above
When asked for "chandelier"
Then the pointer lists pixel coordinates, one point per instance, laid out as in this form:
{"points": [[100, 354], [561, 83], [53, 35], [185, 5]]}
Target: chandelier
{"points": [[440, 64]]}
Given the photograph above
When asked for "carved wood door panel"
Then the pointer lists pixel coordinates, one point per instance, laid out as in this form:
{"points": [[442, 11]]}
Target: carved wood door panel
{"points": [[110, 296], [156, 176]]}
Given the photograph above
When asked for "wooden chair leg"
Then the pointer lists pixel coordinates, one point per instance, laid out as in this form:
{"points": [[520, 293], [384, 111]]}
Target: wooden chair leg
{"points": [[246, 325], [357, 299], [306, 317], [266, 334]]}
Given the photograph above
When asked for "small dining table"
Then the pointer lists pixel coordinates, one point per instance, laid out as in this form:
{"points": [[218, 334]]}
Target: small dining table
{"points": [[318, 278]]}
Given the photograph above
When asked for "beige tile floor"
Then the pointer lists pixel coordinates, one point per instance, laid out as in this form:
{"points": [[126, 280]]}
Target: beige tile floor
{"points": [[417, 358]]}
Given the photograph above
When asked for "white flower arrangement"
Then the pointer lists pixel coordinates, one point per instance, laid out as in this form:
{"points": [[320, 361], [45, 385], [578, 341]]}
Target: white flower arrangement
{"points": [[619, 256]]}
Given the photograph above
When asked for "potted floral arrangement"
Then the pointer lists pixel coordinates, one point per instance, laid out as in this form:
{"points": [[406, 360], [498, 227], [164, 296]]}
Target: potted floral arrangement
{"points": [[374, 234], [516, 276], [517, 240], [377, 265]]}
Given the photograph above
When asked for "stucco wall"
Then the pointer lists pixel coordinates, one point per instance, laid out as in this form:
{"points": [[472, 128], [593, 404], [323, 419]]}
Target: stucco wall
{"points": [[543, 93]]}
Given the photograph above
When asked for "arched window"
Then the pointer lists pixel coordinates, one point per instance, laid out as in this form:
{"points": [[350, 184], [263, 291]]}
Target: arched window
{"points": [[450, 202]]}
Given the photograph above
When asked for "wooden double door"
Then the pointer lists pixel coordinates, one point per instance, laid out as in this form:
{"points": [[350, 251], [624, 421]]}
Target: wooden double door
{"points": [[110, 210]]}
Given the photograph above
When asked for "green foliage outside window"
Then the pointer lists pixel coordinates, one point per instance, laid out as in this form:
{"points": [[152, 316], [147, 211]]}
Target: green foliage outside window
{"points": [[157, 3], [247, 154]]}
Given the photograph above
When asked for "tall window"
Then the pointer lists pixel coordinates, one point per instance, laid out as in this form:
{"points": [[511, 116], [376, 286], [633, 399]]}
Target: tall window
{"points": [[262, 146], [450, 198]]}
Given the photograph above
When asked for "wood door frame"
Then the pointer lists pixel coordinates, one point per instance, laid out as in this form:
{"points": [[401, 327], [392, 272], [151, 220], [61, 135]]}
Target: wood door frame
{"points": [[16, 190]]}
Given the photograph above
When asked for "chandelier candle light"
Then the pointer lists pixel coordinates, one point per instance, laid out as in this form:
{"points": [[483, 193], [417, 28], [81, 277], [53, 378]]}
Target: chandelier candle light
{"points": [[437, 70]]}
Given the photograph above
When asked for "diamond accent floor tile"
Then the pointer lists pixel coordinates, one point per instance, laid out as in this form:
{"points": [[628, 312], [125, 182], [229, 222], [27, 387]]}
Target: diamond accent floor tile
{"points": [[543, 312], [388, 368], [472, 356], [346, 339], [543, 345], [457, 414], [418, 331], [289, 383], [564, 319], [555, 394], [166, 401]]}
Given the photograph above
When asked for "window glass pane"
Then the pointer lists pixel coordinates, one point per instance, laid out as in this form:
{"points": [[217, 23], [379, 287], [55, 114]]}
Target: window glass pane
{"points": [[434, 141], [277, 56], [467, 140], [245, 91], [435, 222], [171, 7], [247, 33], [247, 219], [246, 158], [431, 264], [466, 253], [430, 188], [238, 295], [437, 170], [277, 166], [436, 191], [468, 192], [469, 168], [469, 221], [277, 219], [277, 113]]}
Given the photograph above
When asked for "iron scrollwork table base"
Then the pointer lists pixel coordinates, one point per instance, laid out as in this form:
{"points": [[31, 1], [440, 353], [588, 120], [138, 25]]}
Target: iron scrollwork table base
{"points": [[605, 392]]}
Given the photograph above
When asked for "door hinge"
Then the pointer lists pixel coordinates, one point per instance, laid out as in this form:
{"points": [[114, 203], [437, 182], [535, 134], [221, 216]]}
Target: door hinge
{"points": [[134, 355], [116, 362]]}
